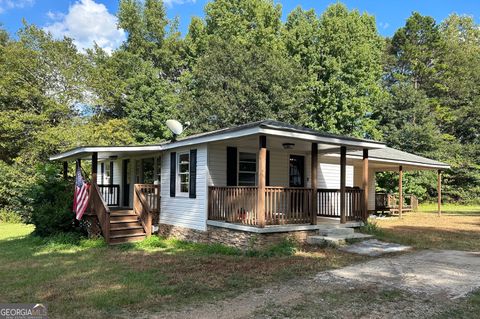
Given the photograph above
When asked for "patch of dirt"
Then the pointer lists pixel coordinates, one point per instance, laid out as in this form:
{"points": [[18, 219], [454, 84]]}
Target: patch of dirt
{"points": [[415, 285]]}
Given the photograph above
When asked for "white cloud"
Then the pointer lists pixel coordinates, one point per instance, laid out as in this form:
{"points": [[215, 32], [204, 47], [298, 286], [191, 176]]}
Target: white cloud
{"points": [[170, 3], [10, 4], [87, 22], [383, 25]]}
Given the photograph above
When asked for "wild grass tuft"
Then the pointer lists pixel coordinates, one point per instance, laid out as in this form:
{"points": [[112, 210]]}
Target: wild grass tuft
{"points": [[371, 227], [287, 247]]}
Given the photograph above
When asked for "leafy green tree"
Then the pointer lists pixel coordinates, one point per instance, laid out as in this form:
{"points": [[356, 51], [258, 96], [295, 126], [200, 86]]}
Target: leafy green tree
{"points": [[232, 84], [413, 49], [342, 54], [406, 121], [248, 22]]}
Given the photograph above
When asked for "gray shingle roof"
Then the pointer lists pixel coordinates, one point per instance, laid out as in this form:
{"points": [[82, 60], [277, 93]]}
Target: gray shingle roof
{"points": [[272, 124], [392, 154]]}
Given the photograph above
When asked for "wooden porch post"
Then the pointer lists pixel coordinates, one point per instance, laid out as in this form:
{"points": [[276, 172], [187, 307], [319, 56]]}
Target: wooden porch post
{"points": [[343, 165], [78, 164], [94, 167], [365, 184], [65, 170], [400, 190], [439, 191], [262, 169], [313, 181]]}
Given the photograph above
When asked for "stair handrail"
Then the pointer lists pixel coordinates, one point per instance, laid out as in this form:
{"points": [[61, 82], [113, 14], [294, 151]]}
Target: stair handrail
{"points": [[142, 209], [101, 209]]}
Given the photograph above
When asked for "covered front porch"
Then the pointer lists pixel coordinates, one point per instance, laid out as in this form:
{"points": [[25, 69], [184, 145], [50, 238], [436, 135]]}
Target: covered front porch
{"points": [[284, 186]]}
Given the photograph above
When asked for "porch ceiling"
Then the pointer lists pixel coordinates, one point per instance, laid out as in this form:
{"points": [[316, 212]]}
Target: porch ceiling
{"points": [[389, 159], [276, 143]]}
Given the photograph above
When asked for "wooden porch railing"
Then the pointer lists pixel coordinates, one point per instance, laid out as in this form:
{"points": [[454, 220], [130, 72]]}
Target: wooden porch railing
{"points": [[288, 205], [329, 203], [390, 202], [100, 207], [234, 204], [283, 205], [110, 193], [146, 201]]}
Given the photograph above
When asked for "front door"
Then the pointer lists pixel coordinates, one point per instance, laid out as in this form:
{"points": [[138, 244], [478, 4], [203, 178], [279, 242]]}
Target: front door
{"points": [[297, 171], [126, 182]]}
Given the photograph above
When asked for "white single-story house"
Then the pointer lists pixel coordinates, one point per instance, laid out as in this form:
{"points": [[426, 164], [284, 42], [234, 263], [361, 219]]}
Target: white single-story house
{"points": [[260, 180]]}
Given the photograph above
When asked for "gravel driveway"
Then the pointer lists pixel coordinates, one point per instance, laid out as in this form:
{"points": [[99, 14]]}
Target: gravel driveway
{"points": [[449, 272], [423, 284]]}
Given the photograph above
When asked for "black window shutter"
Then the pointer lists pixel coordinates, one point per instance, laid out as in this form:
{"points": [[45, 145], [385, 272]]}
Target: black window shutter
{"points": [[267, 173], [111, 173], [173, 173], [231, 166], [192, 187]]}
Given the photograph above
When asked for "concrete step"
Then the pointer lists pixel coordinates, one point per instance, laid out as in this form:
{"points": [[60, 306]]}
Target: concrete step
{"points": [[340, 231], [336, 240]]}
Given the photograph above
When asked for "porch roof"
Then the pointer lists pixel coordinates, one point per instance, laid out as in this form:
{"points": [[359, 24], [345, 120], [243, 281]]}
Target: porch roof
{"points": [[389, 156], [266, 127]]}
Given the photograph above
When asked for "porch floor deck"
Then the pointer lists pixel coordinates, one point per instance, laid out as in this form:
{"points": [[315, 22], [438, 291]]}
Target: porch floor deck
{"points": [[322, 223]]}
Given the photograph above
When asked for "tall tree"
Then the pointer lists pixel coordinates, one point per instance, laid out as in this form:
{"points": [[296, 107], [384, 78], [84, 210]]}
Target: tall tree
{"points": [[414, 49], [232, 85], [342, 53]]}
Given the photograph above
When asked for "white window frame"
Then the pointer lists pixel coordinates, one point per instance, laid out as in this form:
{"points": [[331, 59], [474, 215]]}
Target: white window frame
{"points": [[179, 183], [248, 172]]}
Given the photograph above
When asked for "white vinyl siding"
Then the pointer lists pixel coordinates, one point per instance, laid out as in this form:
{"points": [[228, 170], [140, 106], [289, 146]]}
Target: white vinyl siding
{"points": [[328, 173], [182, 210], [329, 176]]}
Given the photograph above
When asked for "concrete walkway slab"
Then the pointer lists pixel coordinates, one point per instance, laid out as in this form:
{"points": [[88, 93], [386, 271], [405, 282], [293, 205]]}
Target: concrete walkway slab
{"points": [[374, 247], [451, 273]]}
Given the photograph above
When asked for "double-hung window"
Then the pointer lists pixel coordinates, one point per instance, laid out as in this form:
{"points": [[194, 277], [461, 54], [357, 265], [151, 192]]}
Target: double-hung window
{"points": [[184, 172], [247, 169]]}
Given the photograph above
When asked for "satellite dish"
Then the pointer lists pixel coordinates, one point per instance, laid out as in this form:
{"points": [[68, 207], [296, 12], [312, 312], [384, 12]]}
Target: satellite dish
{"points": [[175, 126]]}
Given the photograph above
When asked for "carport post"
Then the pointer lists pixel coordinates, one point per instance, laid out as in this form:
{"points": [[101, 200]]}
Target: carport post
{"points": [[439, 191], [400, 191]]}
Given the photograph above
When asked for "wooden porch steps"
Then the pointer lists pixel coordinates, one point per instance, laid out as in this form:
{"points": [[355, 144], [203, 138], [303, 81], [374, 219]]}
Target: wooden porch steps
{"points": [[125, 227]]}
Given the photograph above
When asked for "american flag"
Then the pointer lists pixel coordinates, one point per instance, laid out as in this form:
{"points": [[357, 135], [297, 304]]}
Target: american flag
{"points": [[80, 199]]}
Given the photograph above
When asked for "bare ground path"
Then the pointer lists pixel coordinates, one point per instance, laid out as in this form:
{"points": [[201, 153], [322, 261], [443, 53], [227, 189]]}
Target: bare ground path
{"points": [[421, 284]]}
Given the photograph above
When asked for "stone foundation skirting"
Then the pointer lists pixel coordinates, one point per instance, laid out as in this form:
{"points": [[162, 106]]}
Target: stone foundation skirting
{"points": [[235, 238]]}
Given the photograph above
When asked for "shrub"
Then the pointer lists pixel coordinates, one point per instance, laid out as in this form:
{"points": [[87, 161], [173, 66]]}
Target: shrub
{"points": [[7, 216], [52, 200]]}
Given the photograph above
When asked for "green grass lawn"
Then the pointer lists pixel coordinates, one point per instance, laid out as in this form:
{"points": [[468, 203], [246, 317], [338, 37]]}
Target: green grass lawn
{"points": [[80, 278], [457, 228], [450, 208]]}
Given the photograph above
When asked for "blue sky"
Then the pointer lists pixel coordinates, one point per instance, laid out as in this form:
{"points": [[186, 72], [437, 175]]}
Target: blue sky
{"points": [[94, 20]]}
